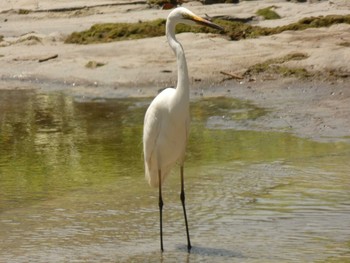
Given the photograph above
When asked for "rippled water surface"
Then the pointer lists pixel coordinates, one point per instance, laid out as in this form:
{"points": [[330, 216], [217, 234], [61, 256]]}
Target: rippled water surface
{"points": [[72, 187]]}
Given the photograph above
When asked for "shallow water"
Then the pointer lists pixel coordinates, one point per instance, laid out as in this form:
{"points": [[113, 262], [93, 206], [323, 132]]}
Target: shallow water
{"points": [[72, 187]]}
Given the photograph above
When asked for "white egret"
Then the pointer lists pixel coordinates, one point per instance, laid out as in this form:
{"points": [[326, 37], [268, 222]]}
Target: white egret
{"points": [[167, 120]]}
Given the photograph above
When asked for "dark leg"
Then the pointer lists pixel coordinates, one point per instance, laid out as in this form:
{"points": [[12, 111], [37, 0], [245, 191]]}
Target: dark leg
{"points": [[182, 197], [160, 210]]}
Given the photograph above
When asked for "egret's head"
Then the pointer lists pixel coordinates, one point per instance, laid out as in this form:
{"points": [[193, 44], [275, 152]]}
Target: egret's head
{"points": [[183, 15]]}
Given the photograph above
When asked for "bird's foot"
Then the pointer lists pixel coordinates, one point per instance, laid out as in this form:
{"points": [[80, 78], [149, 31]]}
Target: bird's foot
{"points": [[189, 248]]}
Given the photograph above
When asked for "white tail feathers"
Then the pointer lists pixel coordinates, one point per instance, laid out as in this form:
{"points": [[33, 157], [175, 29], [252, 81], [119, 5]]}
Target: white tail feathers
{"points": [[152, 175]]}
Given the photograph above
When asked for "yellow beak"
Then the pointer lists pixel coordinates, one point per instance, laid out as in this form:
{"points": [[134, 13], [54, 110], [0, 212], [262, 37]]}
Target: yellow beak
{"points": [[204, 22]]}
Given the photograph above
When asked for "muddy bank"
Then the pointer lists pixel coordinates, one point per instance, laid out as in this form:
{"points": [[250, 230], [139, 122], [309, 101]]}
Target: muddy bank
{"points": [[311, 109], [33, 55]]}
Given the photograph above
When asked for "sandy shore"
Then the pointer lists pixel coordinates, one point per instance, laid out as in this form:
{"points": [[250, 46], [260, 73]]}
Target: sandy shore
{"points": [[316, 108]]}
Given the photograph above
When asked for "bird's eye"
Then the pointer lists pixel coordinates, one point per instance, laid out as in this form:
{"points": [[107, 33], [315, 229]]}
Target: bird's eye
{"points": [[186, 16]]}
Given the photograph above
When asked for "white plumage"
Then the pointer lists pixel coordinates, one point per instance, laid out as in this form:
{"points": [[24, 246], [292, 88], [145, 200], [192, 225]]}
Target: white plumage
{"points": [[165, 135], [166, 123]]}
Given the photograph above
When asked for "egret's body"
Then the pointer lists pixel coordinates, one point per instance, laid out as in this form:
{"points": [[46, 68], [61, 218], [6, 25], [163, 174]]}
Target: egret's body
{"points": [[165, 135], [166, 124]]}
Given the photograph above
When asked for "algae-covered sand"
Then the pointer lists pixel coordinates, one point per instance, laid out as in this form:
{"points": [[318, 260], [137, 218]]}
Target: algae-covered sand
{"points": [[273, 62]]}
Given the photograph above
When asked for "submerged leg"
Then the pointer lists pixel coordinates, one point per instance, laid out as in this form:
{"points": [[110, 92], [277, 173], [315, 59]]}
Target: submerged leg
{"points": [[182, 197], [160, 210]]}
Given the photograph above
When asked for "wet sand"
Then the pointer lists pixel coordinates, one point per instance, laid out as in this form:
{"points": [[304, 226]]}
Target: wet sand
{"points": [[316, 108]]}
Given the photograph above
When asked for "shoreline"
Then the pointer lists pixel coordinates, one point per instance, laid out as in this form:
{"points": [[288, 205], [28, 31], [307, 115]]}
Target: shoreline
{"points": [[311, 109]]}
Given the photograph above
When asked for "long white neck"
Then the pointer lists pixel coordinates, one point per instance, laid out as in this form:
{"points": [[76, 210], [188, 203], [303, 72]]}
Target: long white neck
{"points": [[182, 88]]}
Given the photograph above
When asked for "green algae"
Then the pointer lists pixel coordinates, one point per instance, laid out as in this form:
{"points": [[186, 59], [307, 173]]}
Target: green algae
{"points": [[94, 64], [268, 13], [344, 44], [24, 11], [237, 31], [103, 33], [275, 66]]}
